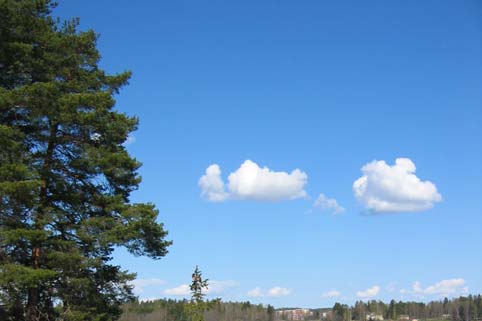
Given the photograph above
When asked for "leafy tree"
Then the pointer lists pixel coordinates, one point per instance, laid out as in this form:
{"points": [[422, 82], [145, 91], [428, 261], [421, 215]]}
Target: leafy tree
{"points": [[65, 175]]}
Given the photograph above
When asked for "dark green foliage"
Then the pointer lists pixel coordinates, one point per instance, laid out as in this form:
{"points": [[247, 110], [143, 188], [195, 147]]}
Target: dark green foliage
{"points": [[271, 312], [196, 308], [197, 285], [65, 176], [341, 312]]}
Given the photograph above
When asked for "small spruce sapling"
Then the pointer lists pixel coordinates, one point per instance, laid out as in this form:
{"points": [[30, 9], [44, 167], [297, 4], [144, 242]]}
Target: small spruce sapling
{"points": [[197, 306]]}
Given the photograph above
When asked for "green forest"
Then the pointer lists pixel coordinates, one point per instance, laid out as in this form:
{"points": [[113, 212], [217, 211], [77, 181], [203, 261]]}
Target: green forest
{"points": [[465, 308]]}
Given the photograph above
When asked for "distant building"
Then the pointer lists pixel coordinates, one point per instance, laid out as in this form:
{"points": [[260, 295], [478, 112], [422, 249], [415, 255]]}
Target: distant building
{"points": [[326, 315], [404, 317], [294, 314], [374, 317]]}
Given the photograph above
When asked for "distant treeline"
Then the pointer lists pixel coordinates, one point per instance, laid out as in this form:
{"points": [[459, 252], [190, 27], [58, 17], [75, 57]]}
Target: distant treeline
{"points": [[175, 310], [464, 308]]}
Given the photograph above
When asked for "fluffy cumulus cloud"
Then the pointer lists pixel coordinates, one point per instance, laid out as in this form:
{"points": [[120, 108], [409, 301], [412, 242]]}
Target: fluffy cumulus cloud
{"points": [[368, 293], [329, 204], [331, 294], [141, 284], [252, 182], [442, 288], [212, 185], [396, 188], [276, 291]]}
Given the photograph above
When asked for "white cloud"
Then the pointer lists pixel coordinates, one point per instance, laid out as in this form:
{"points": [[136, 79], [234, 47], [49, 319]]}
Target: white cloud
{"points": [[214, 287], [251, 182], [141, 284], [182, 290], [331, 294], [385, 188], [256, 292], [273, 292], [442, 288], [212, 186], [368, 293], [218, 287], [278, 291], [330, 204]]}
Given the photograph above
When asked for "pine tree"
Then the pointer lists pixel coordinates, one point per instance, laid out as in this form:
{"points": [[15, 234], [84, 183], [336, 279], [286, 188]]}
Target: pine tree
{"points": [[65, 175]]}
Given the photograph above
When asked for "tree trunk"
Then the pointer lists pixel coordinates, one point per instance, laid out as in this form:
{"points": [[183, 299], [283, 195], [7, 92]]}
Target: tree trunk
{"points": [[33, 300]]}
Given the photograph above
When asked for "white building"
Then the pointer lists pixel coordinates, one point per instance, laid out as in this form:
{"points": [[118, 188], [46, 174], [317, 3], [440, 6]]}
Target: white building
{"points": [[374, 317]]}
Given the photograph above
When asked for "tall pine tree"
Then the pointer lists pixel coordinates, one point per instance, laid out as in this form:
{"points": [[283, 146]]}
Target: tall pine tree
{"points": [[65, 175]]}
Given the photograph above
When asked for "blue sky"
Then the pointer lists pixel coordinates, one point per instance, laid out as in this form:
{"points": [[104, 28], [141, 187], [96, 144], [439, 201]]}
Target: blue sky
{"points": [[322, 87]]}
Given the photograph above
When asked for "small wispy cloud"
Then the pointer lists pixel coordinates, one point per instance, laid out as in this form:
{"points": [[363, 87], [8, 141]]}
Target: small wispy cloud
{"points": [[331, 294], [181, 290], [391, 287], [442, 288], [256, 292], [368, 293], [278, 291], [141, 284], [220, 287], [214, 287], [275, 292], [329, 204]]}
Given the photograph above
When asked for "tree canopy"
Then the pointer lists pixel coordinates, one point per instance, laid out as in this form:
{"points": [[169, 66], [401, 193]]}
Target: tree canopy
{"points": [[65, 174]]}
